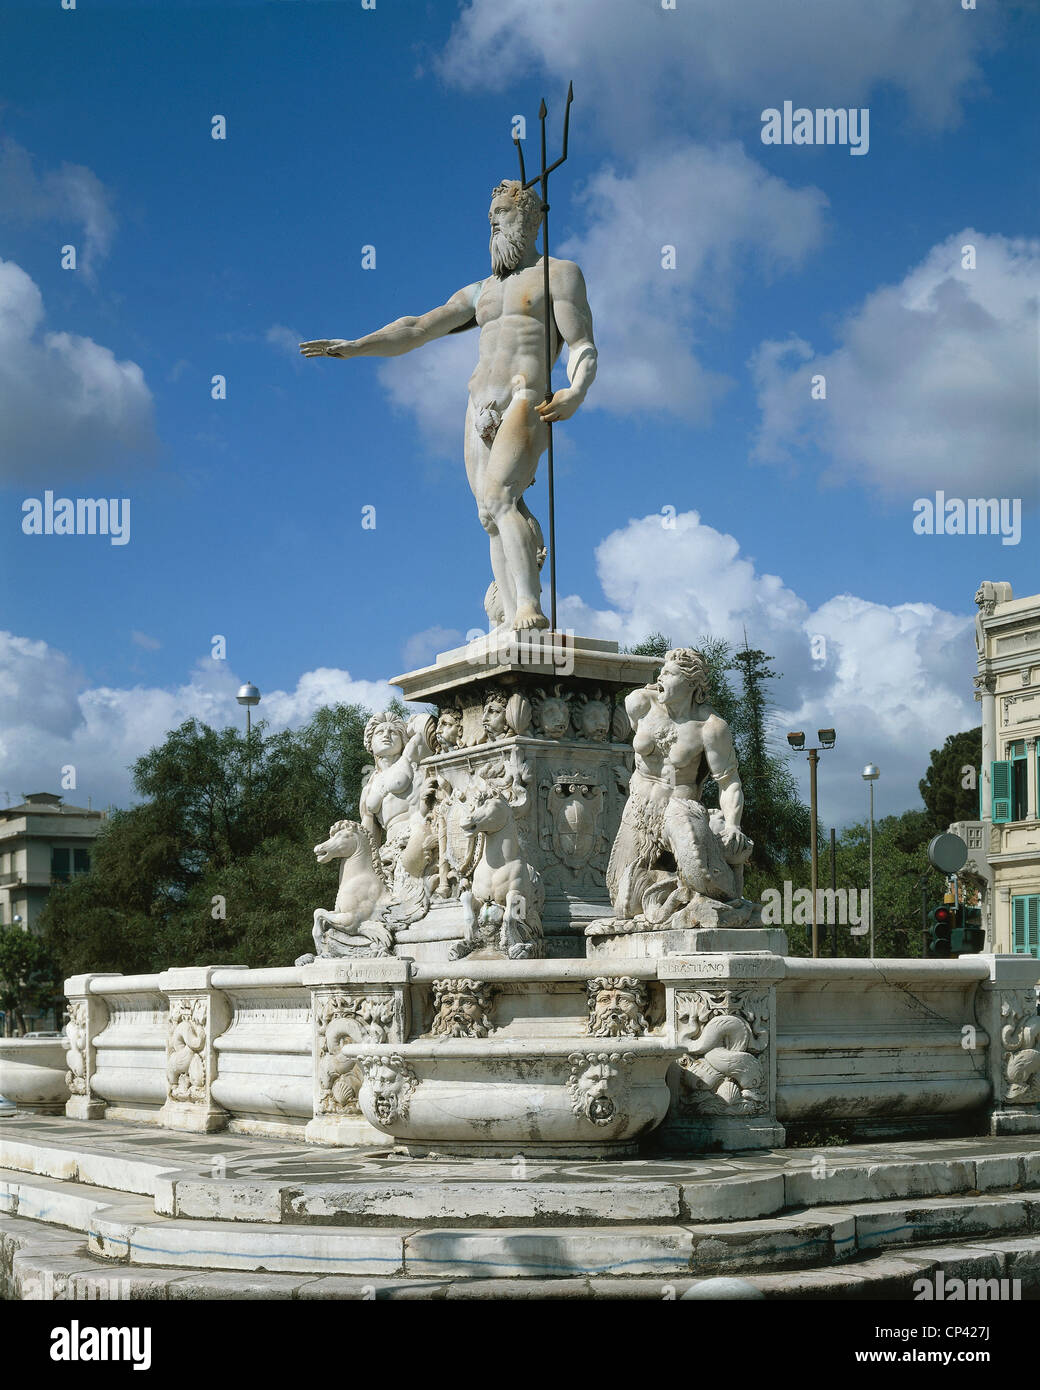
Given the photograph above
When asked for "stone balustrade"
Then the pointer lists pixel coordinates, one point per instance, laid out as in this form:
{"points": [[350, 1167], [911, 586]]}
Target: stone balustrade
{"points": [[751, 1042]]}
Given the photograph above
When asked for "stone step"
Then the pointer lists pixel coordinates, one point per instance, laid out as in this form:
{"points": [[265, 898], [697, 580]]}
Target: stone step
{"points": [[228, 1178], [125, 1228], [38, 1262]]}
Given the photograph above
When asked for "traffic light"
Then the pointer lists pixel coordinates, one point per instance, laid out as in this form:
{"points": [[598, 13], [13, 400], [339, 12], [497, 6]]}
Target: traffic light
{"points": [[968, 937], [943, 922]]}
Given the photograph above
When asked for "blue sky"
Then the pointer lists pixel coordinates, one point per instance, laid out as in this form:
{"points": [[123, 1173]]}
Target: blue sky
{"points": [[388, 127]]}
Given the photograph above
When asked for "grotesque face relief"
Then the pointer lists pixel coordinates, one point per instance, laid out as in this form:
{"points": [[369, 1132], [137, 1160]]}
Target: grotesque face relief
{"points": [[598, 1086], [595, 720], [449, 730], [554, 717], [494, 719], [617, 1008], [462, 1008], [387, 1086]]}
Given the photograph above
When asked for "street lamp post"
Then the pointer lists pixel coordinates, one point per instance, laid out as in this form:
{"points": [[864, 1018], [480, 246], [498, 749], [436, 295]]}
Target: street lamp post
{"points": [[870, 775], [249, 696], [797, 740]]}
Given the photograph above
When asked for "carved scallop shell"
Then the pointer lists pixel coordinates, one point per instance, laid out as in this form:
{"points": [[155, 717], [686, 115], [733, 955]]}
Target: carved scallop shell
{"points": [[519, 713], [620, 725]]}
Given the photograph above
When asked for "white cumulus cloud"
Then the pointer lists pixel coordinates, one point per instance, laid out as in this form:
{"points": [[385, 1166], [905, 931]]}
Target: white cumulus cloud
{"points": [[50, 717], [67, 404], [933, 383], [720, 62], [894, 680], [71, 194], [719, 211]]}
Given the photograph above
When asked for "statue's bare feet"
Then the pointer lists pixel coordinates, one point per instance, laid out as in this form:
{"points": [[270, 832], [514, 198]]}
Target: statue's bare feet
{"points": [[528, 615]]}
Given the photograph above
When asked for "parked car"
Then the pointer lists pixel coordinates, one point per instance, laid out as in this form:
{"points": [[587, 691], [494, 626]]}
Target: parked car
{"points": [[6, 1109], [43, 1035]]}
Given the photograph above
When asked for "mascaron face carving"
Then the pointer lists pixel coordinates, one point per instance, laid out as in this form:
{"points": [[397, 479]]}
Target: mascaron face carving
{"points": [[462, 1008], [599, 1085], [387, 1086], [618, 1007]]}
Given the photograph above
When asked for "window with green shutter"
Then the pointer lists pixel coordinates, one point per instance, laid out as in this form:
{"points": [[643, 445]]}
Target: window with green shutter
{"points": [[1025, 925], [1000, 774]]}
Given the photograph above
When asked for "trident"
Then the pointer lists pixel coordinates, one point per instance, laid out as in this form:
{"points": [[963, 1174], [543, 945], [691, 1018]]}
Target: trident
{"points": [[543, 177]]}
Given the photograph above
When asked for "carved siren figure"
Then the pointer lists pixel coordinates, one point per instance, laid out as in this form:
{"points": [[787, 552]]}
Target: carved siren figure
{"points": [[675, 863], [384, 859]]}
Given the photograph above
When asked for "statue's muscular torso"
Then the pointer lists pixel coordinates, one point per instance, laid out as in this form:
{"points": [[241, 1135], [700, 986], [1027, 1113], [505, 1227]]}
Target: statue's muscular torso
{"points": [[511, 316]]}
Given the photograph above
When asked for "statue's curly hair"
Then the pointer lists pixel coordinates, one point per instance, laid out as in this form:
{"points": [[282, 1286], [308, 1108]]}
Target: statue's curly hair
{"points": [[387, 717], [693, 666], [526, 200]]}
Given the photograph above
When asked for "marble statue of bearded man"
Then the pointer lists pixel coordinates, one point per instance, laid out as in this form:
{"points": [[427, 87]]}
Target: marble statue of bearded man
{"points": [[674, 862]]}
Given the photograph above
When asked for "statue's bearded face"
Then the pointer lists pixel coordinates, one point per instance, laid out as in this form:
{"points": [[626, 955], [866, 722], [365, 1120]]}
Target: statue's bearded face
{"points": [[510, 236]]}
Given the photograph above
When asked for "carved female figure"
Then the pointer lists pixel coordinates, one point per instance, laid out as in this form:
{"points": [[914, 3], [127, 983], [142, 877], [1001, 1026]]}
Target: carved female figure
{"points": [[391, 791], [673, 860]]}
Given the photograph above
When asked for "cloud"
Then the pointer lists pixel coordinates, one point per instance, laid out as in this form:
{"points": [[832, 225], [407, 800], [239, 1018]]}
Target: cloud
{"points": [[719, 210], [430, 384], [49, 716], [66, 403], [287, 339], [716, 64], [423, 648], [70, 194], [150, 644], [894, 681], [933, 384]]}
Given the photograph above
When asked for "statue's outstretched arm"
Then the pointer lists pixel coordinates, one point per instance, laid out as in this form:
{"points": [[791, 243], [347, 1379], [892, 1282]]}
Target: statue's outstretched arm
{"points": [[403, 334]]}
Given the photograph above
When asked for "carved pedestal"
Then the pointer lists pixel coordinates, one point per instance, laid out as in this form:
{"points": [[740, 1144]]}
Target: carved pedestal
{"points": [[605, 941], [721, 1010], [88, 1016], [352, 1002], [549, 707], [198, 1014], [1008, 1012]]}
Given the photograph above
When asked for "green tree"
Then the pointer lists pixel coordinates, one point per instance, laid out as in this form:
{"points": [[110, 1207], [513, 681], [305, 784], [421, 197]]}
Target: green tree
{"points": [[216, 864], [949, 788], [29, 980]]}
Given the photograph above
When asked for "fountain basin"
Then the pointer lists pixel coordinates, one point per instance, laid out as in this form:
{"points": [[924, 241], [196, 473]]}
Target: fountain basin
{"points": [[574, 1097], [32, 1074]]}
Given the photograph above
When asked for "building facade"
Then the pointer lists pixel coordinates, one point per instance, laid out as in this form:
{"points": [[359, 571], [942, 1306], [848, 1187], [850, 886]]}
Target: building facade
{"points": [[1004, 844], [43, 842]]}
